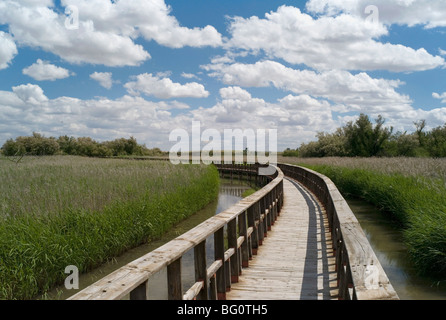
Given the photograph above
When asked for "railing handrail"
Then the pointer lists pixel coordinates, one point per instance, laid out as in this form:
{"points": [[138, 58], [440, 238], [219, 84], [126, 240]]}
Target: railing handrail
{"points": [[250, 212], [360, 274]]}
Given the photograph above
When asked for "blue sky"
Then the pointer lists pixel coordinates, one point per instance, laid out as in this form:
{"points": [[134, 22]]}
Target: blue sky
{"points": [[143, 68]]}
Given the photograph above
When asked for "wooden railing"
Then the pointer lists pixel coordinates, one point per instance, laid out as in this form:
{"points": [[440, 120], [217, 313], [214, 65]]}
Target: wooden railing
{"points": [[237, 231], [359, 272]]}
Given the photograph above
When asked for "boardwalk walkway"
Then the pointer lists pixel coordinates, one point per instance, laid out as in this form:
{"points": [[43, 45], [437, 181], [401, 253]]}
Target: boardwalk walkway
{"points": [[296, 260]]}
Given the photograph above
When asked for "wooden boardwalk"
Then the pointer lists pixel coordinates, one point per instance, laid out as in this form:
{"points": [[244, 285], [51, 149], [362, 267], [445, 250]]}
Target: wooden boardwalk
{"points": [[296, 259]]}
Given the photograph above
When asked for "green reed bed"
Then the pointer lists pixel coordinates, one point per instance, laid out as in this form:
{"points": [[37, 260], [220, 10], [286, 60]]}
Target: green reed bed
{"points": [[60, 211], [417, 203]]}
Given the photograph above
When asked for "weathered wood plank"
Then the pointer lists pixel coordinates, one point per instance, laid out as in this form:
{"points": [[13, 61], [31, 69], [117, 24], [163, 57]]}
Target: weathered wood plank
{"points": [[201, 270], [194, 291], [174, 286], [290, 255]]}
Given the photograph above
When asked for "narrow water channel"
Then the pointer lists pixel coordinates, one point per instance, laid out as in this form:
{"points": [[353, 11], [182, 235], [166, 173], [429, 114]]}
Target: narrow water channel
{"points": [[387, 242], [230, 193]]}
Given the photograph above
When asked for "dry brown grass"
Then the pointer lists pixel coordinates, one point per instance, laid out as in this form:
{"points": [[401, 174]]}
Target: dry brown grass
{"points": [[426, 167]]}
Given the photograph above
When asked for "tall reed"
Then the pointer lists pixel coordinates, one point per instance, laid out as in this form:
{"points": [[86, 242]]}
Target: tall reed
{"points": [[60, 211]]}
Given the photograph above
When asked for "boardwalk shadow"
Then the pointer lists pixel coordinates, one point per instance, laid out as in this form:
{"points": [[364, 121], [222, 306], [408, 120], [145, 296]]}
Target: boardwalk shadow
{"points": [[316, 282]]}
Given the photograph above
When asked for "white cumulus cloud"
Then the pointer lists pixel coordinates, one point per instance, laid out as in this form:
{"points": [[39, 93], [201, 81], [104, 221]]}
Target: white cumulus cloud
{"points": [[441, 97], [104, 32], [358, 92], [105, 79], [345, 41], [428, 13], [164, 88], [30, 93], [149, 18], [8, 50], [43, 70]]}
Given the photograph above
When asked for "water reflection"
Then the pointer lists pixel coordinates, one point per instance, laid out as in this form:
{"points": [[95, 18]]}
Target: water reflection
{"points": [[230, 193], [387, 242]]}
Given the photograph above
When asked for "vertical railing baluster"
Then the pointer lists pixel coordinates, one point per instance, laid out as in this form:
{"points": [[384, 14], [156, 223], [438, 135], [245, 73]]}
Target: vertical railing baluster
{"points": [[251, 224], [219, 251], [262, 220], [174, 285], [141, 292], [201, 269], [243, 230], [232, 243]]}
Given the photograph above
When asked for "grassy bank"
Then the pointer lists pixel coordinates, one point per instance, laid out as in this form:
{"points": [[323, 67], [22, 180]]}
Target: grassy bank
{"points": [[411, 191], [60, 211]]}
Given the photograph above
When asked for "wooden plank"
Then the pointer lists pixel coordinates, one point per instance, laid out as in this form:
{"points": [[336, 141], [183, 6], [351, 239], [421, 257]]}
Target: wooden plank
{"points": [[291, 264], [212, 270], [194, 291]]}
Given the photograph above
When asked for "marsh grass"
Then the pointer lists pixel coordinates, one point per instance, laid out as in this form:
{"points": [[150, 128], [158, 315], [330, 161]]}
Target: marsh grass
{"points": [[411, 192], [60, 211]]}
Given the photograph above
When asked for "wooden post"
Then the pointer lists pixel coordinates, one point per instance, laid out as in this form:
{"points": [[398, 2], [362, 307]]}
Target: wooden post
{"points": [[213, 288], [200, 269], [174, 285], [251, 224], [255, 233], [232, 243], [261, 221], [228, 275], [265, 219], [243, 230], [270, 213], [141, 292], [219, 251]]}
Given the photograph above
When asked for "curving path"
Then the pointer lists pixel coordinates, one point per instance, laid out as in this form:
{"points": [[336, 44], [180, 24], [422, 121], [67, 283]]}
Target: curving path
{"points": [[296, 260]]}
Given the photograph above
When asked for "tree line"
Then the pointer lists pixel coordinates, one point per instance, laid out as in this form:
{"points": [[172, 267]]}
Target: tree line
{"points": [[39, 145], [363, 138]]}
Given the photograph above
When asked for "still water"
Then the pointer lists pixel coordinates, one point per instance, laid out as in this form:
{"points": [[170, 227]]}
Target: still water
{"points": [[387, 242], [230, 193]]}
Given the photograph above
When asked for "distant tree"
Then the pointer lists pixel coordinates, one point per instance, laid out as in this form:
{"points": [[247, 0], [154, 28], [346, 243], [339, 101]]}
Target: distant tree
{"points": [[68, 145], [364, 140], [123, 147], [436, 142], [83, 146], [420, 126], [334, 144], [36, 145], [403, 145], [310, 150], [12, 148], [290, 152], [86, 146]]}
